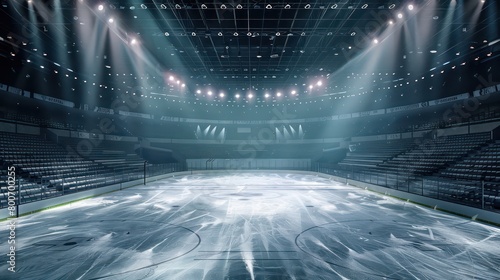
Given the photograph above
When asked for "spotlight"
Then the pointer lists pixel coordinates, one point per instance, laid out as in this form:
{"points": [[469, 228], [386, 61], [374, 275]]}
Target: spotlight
{"points": [[223, 7], [178, 7], [375, 41], [294, 92], [183, 85], [266, 95], [100, 7], [249, 33], [163, 6], [400, 15], [209, 93], [287, 6], [133, 41], [111, 20], [269, 6], [364, 6], [171, 78], [221, 95], [235, 34], [391, 22], [250, 96], [144, 6], [219, 34], [167, 34], [237, 95], [278, 94], [193, 34], [319, 83], [308, 6], [203, 6], [239, 7], [410, 7], [178, 82], [198, 91], [278, 33], [310, 86], [334, 6]]}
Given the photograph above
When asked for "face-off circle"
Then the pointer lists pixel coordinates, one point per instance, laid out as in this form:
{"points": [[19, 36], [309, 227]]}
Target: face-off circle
{"points": [[391, 250], [105, 248]]}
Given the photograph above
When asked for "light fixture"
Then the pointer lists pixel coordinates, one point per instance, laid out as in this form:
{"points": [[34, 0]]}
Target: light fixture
{"points": [[198, 91], [133, 41], [259, 55], [223, 7], [266, 95], [278, 94], [287, 6], [235, 34], [237, 95], [308, 6], [375, 41], [193, 33], [221, 95], [219, 34], [183, 85], [310, 86], [145, 7], [100, 7], [249, 34], [269, 6], [391, 22], [364, 6], [319, 83], [334, 6], [250, 96], [167, 34], [111, 20], [239, 7], [410, 7], [278, 33], [392, 6], [163, 6], [203, 6], [209, 93], [400, 15], [294, 92], [171, 78]]}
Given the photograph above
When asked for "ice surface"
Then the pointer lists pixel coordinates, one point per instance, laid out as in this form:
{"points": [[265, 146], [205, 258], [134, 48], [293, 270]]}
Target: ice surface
{"points": [[259, 225]]}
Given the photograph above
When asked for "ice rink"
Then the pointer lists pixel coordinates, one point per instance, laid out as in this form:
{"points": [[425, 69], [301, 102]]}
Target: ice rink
{"points": [[249, 226]]}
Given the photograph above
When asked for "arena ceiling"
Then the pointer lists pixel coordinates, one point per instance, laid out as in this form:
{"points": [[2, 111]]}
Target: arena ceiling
{"points": [[289, 48]]}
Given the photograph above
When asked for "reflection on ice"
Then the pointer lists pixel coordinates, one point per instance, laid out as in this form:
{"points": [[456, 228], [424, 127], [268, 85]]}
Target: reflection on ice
{"points": [[250, 226]]}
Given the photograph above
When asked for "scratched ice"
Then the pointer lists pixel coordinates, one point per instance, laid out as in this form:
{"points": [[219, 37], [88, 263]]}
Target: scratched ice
{"points": [[261, 225]]}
